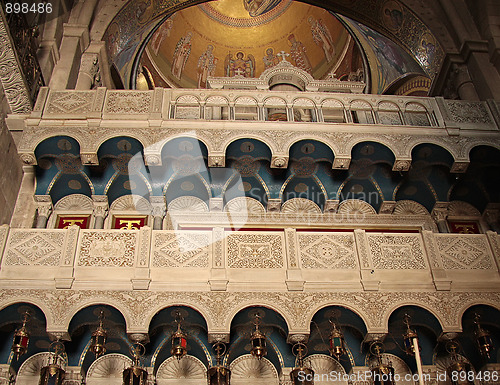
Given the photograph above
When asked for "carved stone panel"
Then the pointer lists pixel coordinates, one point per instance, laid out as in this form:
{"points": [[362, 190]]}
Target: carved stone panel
{"points": [[61, 103], [327, 251], [255, 251], [181, 249], [34, 247], [465, 252], [128, 102], [393, 252], [108, 248]]}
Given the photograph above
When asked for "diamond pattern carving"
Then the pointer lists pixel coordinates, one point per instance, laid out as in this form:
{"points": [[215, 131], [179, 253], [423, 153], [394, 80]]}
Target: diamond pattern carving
{"points": [[65, 103], [255, 251], [318, 251], [34, 248], [186, 249], [464, 252]]}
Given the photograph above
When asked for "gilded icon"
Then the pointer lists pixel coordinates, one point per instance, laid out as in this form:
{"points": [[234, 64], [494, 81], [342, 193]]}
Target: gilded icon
{"points": [[270, 60], [322, 37], [181, 55], [239, 66], [161, 33], [392, 15], [206, 66], [298, 53]]}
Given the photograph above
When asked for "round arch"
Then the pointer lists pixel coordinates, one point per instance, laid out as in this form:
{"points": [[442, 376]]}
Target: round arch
{"points": [[257, 303], [49, 318], [345, 305], [148, 318], [251, 135], [390, 310]]}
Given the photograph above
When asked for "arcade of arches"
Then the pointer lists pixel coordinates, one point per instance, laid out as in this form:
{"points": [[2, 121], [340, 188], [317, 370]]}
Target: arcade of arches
{"points": [[252, 186]]}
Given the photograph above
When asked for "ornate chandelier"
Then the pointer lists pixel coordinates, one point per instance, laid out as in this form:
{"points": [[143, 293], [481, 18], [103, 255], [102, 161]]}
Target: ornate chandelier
{"points": [[301, 375], [179, 340], [258, 340], [483, 338], [98, 339], [219, 374], [136, 374], [53, 373], [21, 338], [382, 372]]}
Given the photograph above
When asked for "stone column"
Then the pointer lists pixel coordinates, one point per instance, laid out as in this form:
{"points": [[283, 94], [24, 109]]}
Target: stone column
{"points": [[491, 217], [100, 210], [43, 209], [439, 215], [464, 84], [89, 76], [159, 210]]}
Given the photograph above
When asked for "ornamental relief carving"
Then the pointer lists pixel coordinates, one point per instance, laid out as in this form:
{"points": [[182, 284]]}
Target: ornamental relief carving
{"points": [[107, 248], [394, 252], [128, 102], [34, 248], [464, 253], [62, 102], [255, 251], [218, 308], [186, 249], [330, 251]]}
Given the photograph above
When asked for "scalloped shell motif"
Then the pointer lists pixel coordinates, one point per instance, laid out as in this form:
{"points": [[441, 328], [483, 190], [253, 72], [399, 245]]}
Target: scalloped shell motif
{"points": [[188, 368], [300, 205], [244, 205], [260, 371], [74, 202], [323, 364], [408, 207], [108, 369], [131, 203], [188, 204], [355, 206]]}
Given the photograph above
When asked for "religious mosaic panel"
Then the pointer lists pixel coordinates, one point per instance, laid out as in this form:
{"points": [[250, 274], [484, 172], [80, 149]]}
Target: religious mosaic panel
{"points": [[181, 249], [464, 252], [327, 251], [255, 251], [394, 252]]}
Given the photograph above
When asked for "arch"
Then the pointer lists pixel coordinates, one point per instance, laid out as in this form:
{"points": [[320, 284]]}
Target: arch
{"points": [[190, 369], [425, 306], [383, 141], [409, 207], [243, 101], [461, 311], [358, 104], [217, 100], [187, 204], [244, 205], [355, 207], [131, 202], [415, 107], [312, 139], [57, 148], [467, 149], [245, 367], [462, 209], [250, 135], [129, 134], [345, 304], [203, 312], [274, 101], [385, 105], [96, 301], [333, 103], [188, 99], [300, 205], [303, 102], [232, 150], [30, 301], [258, 303], [108, 369], [188, 135], [74, 202], [29, 372], [437, 143]]}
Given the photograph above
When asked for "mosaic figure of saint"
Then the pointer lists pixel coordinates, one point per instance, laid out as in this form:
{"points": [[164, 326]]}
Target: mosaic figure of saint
{"points": [[298, 53], [181, 55], [322, 37], [270, 60], [161, 33], [259, 7], [240, 66], [206, 66]]}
